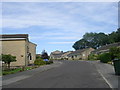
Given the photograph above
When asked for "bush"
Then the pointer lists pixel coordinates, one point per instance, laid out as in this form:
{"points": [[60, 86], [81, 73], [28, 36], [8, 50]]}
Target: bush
{"points": [[105, 57], [39, 62], [49, 62], [93, 57], [115, 52]]}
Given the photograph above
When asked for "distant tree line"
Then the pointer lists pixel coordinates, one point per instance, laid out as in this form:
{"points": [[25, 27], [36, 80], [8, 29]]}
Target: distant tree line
{"points": [[96, 40]]}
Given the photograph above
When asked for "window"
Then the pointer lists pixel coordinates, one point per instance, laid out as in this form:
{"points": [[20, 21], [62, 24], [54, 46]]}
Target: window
{"points": [[83, 54], [72, 56], [30, 56]]}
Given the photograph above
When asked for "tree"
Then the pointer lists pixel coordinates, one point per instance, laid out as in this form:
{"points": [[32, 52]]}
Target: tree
{"points": [[114, 36], [115, 52], [94, 40], [44, 55], [81, 44], [8, 59]]}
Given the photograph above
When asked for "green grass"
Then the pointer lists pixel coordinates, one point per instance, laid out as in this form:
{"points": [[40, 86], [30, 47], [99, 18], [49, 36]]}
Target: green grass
{"points": [[6, 72], [11, 71]]}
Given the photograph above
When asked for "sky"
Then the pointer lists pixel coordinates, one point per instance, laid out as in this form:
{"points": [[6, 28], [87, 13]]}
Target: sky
{"points": [[58, 25]]}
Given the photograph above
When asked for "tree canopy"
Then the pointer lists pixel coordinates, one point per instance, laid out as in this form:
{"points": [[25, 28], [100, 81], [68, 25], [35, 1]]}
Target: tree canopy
{"points": [[96, 40], [7, 59], [44, 55]]}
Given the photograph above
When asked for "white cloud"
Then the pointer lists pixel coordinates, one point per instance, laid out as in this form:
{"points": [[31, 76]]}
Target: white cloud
{"points": [[55, 37], [72, 19], [58, 25], [60, 0], [60, 42], [65, 19]]}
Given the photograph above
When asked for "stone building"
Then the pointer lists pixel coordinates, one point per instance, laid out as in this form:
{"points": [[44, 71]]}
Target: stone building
{"points": [[105, 48], [19, 45], [81, 54], [56, 54], [65, 55]]}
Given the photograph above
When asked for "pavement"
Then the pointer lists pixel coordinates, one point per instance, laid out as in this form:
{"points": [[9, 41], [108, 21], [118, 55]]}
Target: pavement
{"points": [[104, 70], [108, 73], [8, 79]]}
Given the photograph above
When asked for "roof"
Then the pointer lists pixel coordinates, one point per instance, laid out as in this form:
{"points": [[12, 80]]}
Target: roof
{"points": [[5, 37], [66, 53], [56, 52], [77, 52], [56, 55], [33, 43], [107, 47], [13, 36]]}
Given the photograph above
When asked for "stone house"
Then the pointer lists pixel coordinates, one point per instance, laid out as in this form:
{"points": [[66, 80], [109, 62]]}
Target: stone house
{"points": [[81, 54], [56, 54], [65, 55], [105, 48], [18, 45]]}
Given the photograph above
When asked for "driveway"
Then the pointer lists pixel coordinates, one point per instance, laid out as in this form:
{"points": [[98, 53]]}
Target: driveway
{"points": [[70, 74]]}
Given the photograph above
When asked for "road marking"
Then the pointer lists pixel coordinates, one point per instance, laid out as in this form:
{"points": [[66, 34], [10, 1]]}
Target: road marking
{"points": [[105, 79]]}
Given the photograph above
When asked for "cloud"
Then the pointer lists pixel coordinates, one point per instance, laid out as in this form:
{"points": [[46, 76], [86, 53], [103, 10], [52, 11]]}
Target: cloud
{"points": [[58, 24], [73, 17], [55, 37], [60, 0], [60, 42]]}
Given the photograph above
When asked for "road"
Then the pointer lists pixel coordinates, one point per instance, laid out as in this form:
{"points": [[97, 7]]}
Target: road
{"points": [[71, 74]]}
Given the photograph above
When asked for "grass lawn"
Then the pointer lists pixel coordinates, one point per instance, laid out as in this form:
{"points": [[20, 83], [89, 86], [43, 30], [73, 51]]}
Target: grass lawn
{"points": [[6, 72], [11, 71]]}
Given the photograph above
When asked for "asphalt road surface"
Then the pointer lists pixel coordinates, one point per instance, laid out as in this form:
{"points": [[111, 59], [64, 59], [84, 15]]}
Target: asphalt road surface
{"points": [[71, 74]]}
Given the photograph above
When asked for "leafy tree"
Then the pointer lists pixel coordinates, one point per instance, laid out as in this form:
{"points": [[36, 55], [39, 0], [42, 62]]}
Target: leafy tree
{"points": [[44, 55], [115, 52], [96, 40], [81, 44], [114, 36], [8, 59]]}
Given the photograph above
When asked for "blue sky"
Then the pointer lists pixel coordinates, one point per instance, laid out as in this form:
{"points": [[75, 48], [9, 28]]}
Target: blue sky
{"points": [[57, 25]]}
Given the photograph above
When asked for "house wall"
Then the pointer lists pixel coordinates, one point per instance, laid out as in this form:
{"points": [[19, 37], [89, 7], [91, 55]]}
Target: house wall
{"points": [[51, 56], [15, 48], [81, 56], [86, 53], [64, 56], [70, 58], [32, 50], [55, 56]]}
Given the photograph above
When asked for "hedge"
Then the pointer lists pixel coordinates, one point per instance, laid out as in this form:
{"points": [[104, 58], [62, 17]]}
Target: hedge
{"points": [[105, 57]]}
